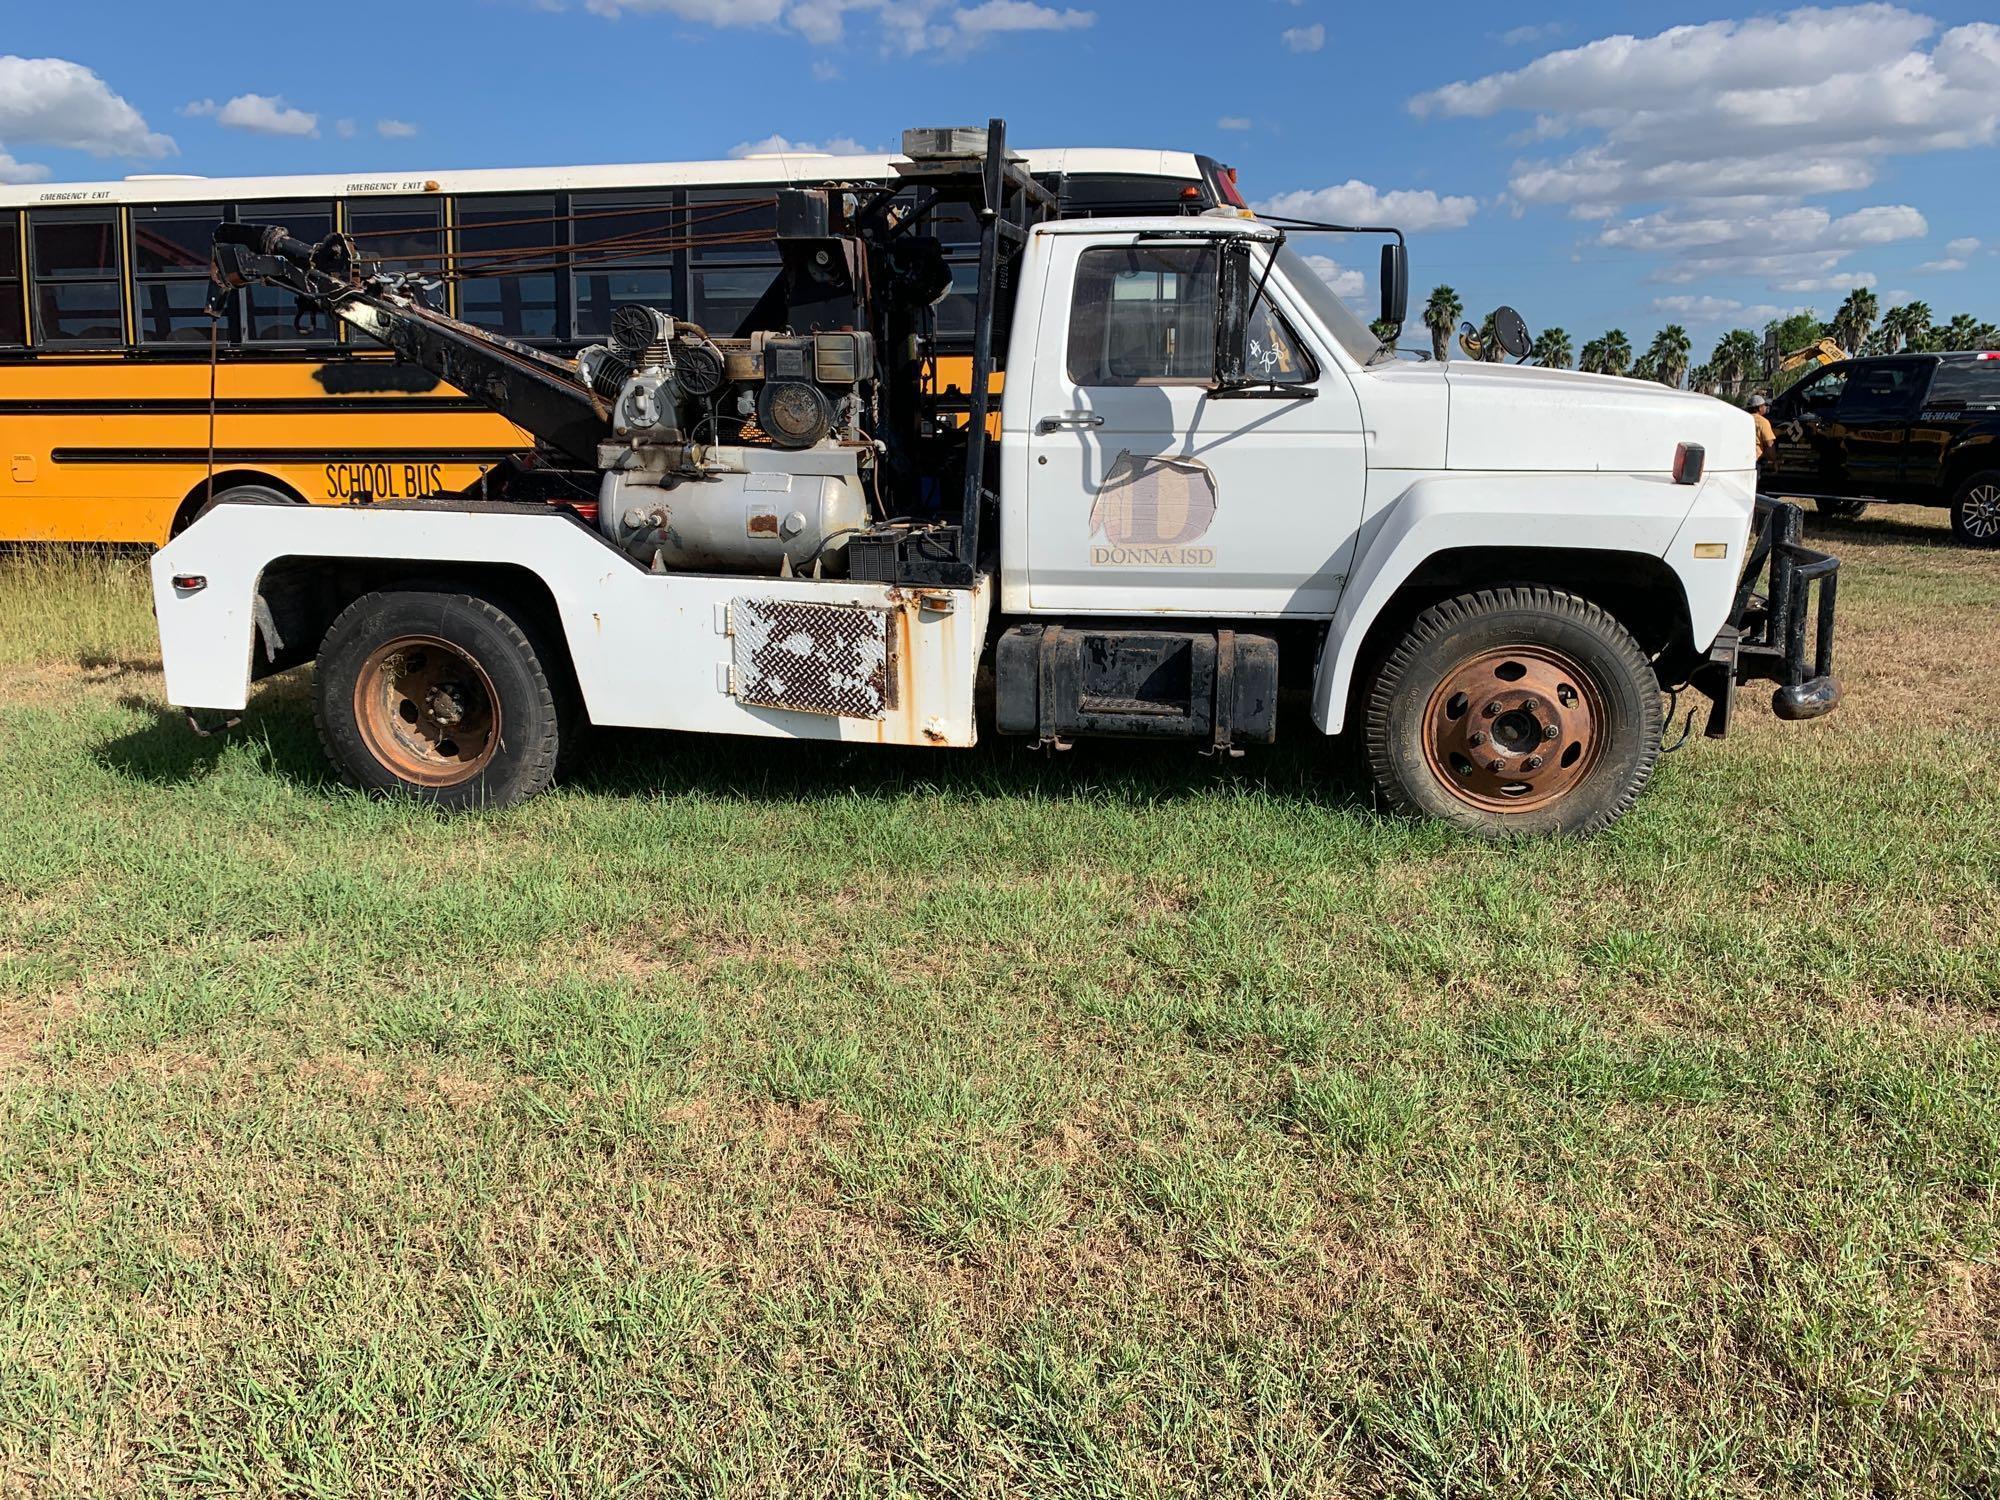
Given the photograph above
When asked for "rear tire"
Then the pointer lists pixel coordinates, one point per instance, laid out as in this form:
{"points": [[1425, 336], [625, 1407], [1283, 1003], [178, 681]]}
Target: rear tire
{"points": [[1515, 712], [1840, 510], [194, 510], [1975, 510], [441, 695]]}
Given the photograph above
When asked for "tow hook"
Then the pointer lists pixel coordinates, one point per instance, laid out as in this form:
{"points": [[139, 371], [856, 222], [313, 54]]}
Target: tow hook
{"points": [[223, 727]]}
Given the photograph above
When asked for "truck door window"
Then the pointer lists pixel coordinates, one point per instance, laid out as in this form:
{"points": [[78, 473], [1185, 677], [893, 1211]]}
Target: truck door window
{"points": [[1144, 315], [1271, 351], [1819, 392], [1879, 391]]}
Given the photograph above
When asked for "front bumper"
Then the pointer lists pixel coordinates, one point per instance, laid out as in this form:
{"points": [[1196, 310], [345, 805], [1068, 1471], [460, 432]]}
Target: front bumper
{"points": [[1767, 636]]}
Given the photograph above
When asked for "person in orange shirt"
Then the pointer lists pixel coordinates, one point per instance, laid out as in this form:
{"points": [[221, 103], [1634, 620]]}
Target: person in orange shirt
{"points": [[1767, 437]]}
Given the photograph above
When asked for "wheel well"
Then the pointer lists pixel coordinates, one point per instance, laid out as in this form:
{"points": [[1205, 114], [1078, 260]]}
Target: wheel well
{"points": [[302, 596], [225, 479], [1967, 463], [1636, 589]]}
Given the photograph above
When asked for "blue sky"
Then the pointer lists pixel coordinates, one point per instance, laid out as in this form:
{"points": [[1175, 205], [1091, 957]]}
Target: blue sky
{"points": [[1593, 165]]}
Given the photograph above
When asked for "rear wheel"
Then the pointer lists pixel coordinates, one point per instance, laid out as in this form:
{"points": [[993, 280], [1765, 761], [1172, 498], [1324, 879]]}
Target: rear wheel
{"points": [[442, 695], [1514, 712], [1975, 510], [195, 509]]}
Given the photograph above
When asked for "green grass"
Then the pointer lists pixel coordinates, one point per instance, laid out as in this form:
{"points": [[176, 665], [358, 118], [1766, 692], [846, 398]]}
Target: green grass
{"points": [[750, 1119]]}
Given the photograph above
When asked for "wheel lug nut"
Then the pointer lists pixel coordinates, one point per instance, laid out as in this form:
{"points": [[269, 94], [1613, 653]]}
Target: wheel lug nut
{"points": [[1496, 766], [1532, 763], [1476, 738], [1549, 731], [1531, 705], [1492, 708]]}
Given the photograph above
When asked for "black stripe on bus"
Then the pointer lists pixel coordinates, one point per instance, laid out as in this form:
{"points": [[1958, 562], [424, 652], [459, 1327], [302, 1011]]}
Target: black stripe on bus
{"points": [[279, 455], [236, 405]]}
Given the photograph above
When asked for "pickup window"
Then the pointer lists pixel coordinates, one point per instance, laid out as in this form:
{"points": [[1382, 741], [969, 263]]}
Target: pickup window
{"points": [[1884, 390], [1965, 383]]}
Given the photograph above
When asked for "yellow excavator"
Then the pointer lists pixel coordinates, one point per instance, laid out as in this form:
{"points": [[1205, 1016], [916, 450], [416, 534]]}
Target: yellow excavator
{"points": [[1813, 356]]}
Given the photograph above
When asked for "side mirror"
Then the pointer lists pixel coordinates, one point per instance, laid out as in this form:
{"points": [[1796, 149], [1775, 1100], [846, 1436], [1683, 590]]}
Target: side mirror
{"points": [[1395, 283], [1510, 330], [1232, 313]]}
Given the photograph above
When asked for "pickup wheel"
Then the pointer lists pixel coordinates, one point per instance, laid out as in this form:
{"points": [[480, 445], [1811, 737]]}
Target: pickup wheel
{"points": [[441, 695], [1975, 510], [1514, 712]]}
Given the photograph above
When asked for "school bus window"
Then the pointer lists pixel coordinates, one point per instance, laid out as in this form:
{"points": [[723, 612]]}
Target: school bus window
{"points": [[13, 319], [271, 316], [506, 259], [170, 285], [404, 234], [619, 258], [728, 280], [78, 299]]}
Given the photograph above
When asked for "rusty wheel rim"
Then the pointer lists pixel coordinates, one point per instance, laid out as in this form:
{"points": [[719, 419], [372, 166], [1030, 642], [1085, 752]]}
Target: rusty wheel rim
{"points": [[427, 711], [1514, 729]]}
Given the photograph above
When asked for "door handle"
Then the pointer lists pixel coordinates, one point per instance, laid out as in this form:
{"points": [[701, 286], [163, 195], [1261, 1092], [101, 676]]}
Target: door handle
{"points": [[1069, 419]]}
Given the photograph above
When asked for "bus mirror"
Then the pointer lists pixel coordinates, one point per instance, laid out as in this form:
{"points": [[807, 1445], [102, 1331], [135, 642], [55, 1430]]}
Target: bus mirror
{"points": [[1395, 283]]}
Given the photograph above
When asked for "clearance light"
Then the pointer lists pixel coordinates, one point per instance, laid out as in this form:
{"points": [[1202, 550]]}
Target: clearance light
{"points": [[1991, 354], [1711, 549], [189, 583], [1688, 461]]}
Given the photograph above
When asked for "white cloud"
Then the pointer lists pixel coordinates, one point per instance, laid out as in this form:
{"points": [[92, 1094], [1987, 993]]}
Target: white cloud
{"points": [[1742, 120], [906, 27], [1357, 202], [261, 114], [395, 130], [47, 101], [1715, 310], [1345, 280], [1961, 247], [825, 71], [346, 129], [1845, 281], [1304, 38], [1949, 263], [1789, 245], [778, 145], [1522, 36], [1019, 15], [1233, 122]]}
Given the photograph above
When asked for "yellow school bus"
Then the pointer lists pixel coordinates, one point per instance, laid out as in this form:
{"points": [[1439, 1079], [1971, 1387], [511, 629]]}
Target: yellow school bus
{"points": [[116, 425]]}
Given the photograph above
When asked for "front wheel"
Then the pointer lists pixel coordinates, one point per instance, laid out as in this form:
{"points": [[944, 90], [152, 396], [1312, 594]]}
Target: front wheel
{"points": [[441, 695], [1975, 510], [1514, 712]]}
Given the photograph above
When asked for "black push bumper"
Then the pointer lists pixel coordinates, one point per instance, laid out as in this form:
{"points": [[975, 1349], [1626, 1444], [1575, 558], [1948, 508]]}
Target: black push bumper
{"points": [[1776, 633]]}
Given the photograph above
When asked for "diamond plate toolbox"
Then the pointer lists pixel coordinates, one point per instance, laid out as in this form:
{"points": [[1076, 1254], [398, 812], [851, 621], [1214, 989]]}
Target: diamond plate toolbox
{"points": [[835, 659]]}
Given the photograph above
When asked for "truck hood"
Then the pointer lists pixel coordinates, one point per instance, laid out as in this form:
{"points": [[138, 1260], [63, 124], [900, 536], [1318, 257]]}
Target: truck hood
{"points": [[1526, 417]]}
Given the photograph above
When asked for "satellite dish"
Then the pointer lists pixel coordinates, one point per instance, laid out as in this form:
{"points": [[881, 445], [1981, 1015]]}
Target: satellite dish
{"points": [[1511, 332]]}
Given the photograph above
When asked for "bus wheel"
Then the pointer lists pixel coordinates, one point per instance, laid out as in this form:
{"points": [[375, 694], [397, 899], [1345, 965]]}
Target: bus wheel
{"points": [[1514, 712], [441, 695], [200, 505], [1975, 510]]}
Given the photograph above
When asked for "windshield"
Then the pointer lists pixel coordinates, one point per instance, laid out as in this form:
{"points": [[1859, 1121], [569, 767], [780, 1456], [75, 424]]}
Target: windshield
{"points": [[1334, 315]]}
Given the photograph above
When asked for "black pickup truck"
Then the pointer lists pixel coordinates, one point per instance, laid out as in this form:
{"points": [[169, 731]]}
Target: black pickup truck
{"points": [[1920, 429]]}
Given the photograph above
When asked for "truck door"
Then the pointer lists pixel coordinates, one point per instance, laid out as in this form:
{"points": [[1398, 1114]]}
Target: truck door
{"points": [[1804, 462], [1149, 493], [1868, 433]]}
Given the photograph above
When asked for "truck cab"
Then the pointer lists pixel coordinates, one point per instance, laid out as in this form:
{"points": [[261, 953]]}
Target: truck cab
{"points": [[1212, 483]]}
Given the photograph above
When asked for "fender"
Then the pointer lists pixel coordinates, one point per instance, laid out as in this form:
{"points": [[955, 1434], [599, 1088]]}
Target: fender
{"points": [[1647, 514], [649, 650]]}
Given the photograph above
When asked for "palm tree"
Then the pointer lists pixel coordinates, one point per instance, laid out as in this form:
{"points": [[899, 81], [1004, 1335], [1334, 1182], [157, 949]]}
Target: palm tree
{"points": [[1489, 342], [1552, 349], [1735, 362], [1646, 367], [1385, 333], [1441, 314], [1590, 359], [1617, 352], [1669, 354], [1907, 327], [1962, 332], [1856, 317]]}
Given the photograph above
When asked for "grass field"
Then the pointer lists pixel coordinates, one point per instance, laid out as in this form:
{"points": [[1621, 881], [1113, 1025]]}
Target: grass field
{"points": [[746, 1119]]}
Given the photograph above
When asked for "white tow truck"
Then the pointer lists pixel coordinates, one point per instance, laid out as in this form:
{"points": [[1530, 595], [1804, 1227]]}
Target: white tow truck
{"points": [[1210, 481]]}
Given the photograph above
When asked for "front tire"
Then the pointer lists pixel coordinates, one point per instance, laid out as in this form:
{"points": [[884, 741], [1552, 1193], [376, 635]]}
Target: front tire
{"points": [[1975, 510], [441, 695], [1515, 712]]}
